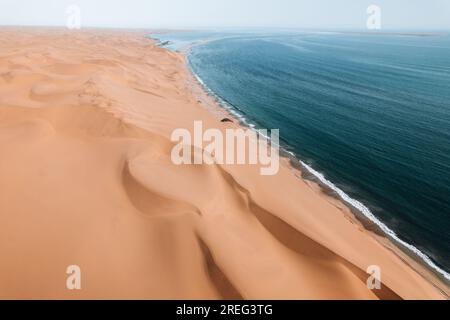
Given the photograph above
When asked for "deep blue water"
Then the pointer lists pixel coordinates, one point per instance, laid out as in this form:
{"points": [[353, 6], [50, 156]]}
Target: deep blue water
{"points": [[369, 112]]}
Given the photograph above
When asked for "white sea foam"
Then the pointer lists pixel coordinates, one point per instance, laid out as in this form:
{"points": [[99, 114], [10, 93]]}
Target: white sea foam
{"points": [[367, 213]]}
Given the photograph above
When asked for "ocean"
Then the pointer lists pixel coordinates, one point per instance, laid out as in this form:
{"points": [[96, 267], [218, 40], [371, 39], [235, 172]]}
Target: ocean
{"points": [[368, 115]]}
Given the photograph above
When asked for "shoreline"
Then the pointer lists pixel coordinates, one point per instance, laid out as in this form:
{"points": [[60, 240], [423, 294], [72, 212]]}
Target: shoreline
{"points": [[412, 256], [85, 124]]}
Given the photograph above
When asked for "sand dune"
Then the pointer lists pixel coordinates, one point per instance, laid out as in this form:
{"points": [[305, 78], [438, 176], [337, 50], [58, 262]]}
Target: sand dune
{"points": [[86, 178]]}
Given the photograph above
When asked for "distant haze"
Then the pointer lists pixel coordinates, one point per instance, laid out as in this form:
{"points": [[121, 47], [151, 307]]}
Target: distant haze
{"points": [[317, 14]]}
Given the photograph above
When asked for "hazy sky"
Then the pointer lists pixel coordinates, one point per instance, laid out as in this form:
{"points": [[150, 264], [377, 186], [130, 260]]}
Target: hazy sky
{"points": [[323, 14]]}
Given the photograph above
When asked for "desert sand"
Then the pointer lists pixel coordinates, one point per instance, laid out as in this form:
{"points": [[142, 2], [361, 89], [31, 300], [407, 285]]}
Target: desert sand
{"points": [[86, 179]]}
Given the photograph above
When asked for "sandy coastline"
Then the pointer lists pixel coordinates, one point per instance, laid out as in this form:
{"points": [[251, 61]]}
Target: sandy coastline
{"points": [[86, 179], [294, 164]]}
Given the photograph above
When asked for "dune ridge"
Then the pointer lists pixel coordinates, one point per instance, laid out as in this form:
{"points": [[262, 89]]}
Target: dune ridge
{"points": [[86, 178]]}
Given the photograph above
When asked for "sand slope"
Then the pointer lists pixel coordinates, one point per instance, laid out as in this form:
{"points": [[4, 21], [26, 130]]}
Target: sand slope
{"points": [[86, 179]]}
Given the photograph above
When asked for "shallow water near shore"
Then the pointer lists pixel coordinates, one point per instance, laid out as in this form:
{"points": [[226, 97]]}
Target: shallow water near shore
{"points": [[368, 115]]}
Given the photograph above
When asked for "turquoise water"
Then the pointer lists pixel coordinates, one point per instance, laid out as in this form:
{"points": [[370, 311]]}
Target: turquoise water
{"points": [[369, 115]]}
